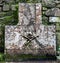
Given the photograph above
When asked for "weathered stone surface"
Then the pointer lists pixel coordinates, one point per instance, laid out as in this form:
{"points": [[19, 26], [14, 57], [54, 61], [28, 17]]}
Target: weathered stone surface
{"points": [[50, 3], [26, 13], [1, 1], [53, 12], [52, 36], [6, 8], [9, 1], [0, 8], [58, 6], [54, 19], [19, 31], [31, 34], [57, 13], [38, 13], [20, 37], [13, 7], [47, 35]]}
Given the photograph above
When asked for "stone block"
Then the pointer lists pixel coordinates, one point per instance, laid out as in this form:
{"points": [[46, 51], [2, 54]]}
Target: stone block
{"points": [[38, 13], [0, 8], [13, 7], [5, 7], [26, 13]]}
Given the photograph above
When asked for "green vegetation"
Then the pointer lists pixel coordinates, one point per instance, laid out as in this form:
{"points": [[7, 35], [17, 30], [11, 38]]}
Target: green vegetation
{"points": [[58, 40], [15, 16], [6, 18], [23, 57], [2, 57]]}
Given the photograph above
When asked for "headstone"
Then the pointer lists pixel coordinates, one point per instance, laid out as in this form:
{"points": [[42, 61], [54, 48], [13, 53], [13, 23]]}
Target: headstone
{"points": [[16, 36]]}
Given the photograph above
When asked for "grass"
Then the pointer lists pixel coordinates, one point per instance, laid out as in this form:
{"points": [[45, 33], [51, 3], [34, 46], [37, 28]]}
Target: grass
{"points": [[24, 57], [2, 14], [58, 41], [6, 20], [28, 57], [1, 57]]}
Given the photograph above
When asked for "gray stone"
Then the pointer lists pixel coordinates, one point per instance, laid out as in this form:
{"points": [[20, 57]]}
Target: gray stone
{"points": [[57, 13], [57, 2], [53, 12], [26, 14], [6, 8], [15, 38], [0, 1], [38, 13], [58, 6], [13, 7], [9, 1], [54, 19], [0, 8]]}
